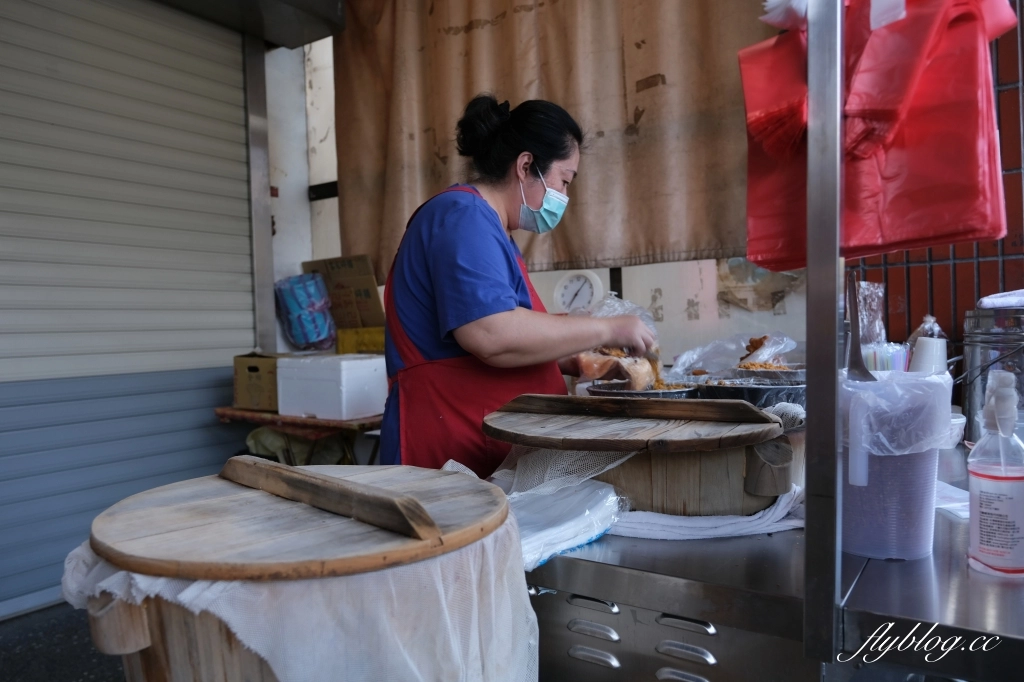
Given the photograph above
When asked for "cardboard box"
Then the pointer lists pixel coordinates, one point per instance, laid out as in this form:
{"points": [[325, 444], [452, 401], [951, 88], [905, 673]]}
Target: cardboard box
{"points": [[366, 340], [344, 309], [352, 287], [332, 386], [256, 382]]}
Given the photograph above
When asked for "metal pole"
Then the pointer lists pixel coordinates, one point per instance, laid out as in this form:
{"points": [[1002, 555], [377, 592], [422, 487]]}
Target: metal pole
{"points": [[824, 292], [259, 193]]}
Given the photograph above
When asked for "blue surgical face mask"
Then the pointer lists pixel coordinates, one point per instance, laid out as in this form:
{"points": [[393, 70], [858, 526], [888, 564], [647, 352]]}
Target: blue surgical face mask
{"points": [[547, 216]]}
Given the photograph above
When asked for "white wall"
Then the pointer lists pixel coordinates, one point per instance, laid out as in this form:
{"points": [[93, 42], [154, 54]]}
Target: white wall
{"points": [[691, 314], [289, 170], [322, 152], [683, 297]]}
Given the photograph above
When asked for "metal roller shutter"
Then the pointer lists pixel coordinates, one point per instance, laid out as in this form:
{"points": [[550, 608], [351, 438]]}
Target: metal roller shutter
{"points": [[125, 242]]}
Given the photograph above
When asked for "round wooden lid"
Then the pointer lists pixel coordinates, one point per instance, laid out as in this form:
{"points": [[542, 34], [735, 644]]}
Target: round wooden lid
{"points": [[628, 424], [213, 529]]}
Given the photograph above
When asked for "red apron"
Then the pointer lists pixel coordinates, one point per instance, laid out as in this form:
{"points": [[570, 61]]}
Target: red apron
{"points": [[442, 403]]}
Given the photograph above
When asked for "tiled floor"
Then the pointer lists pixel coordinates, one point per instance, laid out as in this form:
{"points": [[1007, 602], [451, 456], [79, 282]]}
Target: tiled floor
{"points": [[53, 645]]}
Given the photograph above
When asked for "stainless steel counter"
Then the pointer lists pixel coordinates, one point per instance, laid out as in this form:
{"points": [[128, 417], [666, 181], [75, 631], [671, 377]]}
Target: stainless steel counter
{"points": [[942, 590], [755, 584]]}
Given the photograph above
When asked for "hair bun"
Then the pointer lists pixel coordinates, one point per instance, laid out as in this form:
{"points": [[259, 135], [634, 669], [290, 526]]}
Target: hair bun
{"points": [[480, 124]]}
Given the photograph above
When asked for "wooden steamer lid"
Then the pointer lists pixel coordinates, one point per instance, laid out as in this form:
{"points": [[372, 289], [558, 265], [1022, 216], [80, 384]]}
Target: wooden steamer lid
{"points": [[692, 456], [272, 522], [627, 424]]}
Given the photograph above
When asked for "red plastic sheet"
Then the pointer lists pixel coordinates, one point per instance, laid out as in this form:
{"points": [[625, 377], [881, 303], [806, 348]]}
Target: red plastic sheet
{"points": [[922, 151]]}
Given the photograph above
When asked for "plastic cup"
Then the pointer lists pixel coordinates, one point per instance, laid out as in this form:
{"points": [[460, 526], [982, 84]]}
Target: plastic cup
{"points": [[929, 356]]}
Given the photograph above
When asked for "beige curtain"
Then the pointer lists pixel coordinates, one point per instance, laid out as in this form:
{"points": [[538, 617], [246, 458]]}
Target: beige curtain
{"points": [[654, 83]]}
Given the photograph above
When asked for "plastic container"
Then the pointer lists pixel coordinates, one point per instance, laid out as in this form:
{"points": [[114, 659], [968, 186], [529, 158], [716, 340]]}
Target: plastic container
{"points": [[893, 431], [996, 483], [894, 516], [993, 339], [929, 355], [339, 387]]}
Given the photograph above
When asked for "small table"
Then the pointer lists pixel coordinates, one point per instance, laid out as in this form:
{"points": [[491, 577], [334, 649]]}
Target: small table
{"points": [[305, 427]]}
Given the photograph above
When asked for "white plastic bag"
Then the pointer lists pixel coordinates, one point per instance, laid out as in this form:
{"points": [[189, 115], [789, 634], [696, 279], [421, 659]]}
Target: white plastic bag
{"points": [[724, 354], [613, 306], [785, 14], [900, 414], [553, 523]]}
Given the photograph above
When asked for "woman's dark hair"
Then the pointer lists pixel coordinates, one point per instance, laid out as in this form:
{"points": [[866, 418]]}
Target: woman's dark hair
{"points": [[494, 137]]}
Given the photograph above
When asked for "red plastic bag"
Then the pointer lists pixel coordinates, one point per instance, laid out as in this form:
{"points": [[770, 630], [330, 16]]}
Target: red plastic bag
{"points": [[937, 179], [774, 75], [922, 165]]}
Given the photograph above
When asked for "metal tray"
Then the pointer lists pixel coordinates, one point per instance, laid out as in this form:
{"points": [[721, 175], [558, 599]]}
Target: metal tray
{"points": [[758, 392], [620, 389]]}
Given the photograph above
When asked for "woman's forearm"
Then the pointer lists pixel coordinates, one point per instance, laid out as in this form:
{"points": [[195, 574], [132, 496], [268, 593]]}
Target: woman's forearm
{"points": [[522, 337]]}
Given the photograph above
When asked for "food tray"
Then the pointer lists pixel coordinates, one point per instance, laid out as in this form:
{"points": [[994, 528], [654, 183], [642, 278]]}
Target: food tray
{"points": [[620, 389], [758, 392]]}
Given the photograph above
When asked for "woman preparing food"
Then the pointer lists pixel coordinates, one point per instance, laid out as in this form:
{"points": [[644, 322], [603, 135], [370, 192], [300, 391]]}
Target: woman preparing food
{"points": [[466, 331]]}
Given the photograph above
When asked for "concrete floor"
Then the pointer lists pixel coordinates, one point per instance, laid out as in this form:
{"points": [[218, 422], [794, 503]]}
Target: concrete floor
{"points": [[53, 645]]}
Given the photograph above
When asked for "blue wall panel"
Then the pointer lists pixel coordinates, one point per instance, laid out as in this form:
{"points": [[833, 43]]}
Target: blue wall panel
{"points": [[70, 448]]}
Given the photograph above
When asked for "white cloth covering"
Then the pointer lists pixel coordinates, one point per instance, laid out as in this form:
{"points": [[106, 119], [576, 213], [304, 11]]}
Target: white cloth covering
{"points": [[786, 514], [462, 616], [1007, 299]]}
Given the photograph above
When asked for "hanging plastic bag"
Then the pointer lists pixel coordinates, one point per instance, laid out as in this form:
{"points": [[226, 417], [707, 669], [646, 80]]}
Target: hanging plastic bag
{"points": [[304, 309], [922, 167]]}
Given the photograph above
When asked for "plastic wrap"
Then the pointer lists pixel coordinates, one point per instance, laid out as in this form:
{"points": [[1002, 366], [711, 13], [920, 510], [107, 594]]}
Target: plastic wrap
{"points": [[871, 304], [555, 523], [929, 328], [304, 308], [884, 357], [715, 357], [725, 354], [771, 350], [757, 392], [613, 306]]}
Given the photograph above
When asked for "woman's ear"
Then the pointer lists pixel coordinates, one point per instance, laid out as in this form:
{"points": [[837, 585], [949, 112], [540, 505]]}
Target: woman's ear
{"points": [[523, 164]]}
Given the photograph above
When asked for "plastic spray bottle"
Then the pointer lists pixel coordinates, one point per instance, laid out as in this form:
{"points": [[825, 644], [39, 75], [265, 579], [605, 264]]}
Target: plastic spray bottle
{"points": [[996, 475]]}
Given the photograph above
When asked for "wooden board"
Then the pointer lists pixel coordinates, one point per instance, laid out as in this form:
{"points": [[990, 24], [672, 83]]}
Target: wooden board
{"points": [[627, 424], [213, 529]]}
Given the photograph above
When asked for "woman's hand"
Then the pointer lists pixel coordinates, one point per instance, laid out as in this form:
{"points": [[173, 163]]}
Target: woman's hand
{"points": [[630, 333]]}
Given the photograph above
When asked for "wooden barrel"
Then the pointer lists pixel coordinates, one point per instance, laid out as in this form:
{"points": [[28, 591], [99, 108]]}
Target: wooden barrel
{"points": [[261, 521], [694, 457]]}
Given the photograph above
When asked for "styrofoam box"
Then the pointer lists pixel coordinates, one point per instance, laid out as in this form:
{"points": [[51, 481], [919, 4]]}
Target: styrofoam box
{"points": [[332, 386]]}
